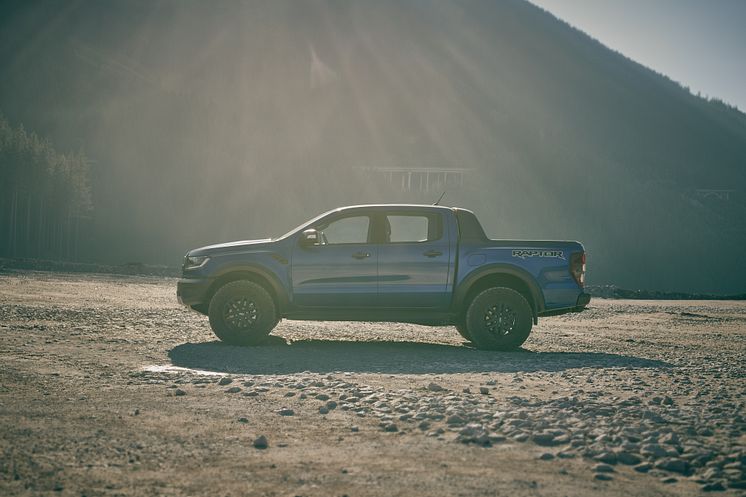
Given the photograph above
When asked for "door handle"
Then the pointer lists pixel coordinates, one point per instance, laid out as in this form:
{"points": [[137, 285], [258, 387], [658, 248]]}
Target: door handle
{"points": [[361, 255], [432, 253]]}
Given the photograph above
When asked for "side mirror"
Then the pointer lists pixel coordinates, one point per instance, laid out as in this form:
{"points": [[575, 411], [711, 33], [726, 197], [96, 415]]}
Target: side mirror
{"points": [[309, 238]]}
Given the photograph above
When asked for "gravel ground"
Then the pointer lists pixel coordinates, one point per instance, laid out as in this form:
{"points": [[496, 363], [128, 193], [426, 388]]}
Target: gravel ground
{"points": [[108, 387]]}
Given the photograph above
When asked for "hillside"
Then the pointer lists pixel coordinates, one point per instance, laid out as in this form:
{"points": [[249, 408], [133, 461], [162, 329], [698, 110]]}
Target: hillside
{"points": [[210, 122]]}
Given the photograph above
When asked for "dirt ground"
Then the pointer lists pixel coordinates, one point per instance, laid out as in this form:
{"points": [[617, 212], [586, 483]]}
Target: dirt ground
{"points": [[109, 387]]}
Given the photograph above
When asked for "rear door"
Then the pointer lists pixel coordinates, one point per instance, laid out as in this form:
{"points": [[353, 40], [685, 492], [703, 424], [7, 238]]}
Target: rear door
{"points": [[413, 260], [341, 271]]}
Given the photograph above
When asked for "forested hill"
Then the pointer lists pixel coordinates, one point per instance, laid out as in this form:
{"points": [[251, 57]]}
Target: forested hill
{"points": [[213, 121]]}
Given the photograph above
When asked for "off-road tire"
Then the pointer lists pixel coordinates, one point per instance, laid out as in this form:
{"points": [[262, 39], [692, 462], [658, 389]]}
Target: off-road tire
{"points": [[499, 319], [460, 325], [242, 313]]}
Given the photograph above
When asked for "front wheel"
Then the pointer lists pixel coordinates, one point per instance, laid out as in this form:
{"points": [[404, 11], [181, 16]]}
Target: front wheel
{"points": [[242, 313], [499, 319]]}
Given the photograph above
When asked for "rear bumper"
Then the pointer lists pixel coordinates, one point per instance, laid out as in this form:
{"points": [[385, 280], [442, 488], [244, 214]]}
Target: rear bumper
{"points": [[583, 300], [191, 292]]}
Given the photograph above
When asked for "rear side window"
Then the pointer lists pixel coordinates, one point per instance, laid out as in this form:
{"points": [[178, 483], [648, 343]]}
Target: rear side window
{"points": [[412, 228]]}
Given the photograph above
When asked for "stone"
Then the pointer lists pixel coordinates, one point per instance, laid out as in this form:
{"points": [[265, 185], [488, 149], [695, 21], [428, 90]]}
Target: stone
{"points": [[322, 396], [543, 438], [715, 486], [669, 479], [391, 428], [285, 411], [484, 390], [354, 429], [643, 468], [179, 392], [455, 419], [627, 458], [606, 457], [233, 390], [673, 465], [331, 405], [603, 468], [261, 442], [323, 410], [434, 387], [546, 456], [653, 450], [603, 477], [225, 381], [243, 420]]}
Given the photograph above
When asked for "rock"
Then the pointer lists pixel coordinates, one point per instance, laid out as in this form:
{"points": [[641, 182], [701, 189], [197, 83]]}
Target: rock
{"points": [[286, 412], [243, 420], [546, 456], [354, 429], [484, 390], [670, 439], [331, 405], [674, 465], [225, 381], [323, 410], [179, 392], [603, 477], [669, 479], [261, 442], [606, 457], [627, 458], [455, 420], [543, 438], [233, 390], [643, 468], [715, 486], [653, 450], [424, 425], [391, 427], [434, 387], [322, 396], [602, 468]]}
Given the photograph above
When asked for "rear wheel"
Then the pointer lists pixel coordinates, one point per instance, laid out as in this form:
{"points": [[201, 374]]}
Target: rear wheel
{"points": [[499, 319], [242, 313], [462, 330]]}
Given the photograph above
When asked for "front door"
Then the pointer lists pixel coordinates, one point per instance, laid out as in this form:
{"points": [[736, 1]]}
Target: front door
{"points": [[413, 261], [341, 271]]}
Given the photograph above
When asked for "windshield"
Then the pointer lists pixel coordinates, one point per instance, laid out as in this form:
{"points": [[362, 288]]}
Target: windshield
{"points": [[307, 223]]}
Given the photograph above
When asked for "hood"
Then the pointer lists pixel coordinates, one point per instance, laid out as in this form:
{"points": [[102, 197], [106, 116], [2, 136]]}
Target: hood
{"points": [[231, 247]]}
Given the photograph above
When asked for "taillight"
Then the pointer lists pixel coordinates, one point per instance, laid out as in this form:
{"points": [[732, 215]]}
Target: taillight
{"points": [[577, 267]]}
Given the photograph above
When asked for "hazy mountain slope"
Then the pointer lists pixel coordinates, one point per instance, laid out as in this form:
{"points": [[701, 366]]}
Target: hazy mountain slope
{"points": [[211, 121]]}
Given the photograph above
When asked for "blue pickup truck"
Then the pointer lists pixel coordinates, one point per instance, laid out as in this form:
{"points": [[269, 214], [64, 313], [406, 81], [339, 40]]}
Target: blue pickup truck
{"points": [[421, 264]]}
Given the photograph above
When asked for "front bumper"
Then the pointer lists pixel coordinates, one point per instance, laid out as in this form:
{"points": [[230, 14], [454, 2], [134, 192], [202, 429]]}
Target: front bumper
{"points": [[190, 292]]}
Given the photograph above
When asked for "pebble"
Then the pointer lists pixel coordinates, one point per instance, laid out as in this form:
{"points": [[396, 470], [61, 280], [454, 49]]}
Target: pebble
{"points": [[233, 390], [546, 456], [261, 442], [179, 392], [434, 387], [225, 381], [603, 477], [286, 412]]}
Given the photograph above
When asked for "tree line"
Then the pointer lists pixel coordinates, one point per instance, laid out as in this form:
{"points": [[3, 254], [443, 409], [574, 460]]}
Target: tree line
{"points": [[45, 196]]}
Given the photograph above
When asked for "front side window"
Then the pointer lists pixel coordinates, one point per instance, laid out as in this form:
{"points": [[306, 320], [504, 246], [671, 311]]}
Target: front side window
{"points": [[405, 228], [352, 229]]}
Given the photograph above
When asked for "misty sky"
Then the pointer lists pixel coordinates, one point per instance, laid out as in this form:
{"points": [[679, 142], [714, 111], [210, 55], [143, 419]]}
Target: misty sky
{"points": [[699, 43]]}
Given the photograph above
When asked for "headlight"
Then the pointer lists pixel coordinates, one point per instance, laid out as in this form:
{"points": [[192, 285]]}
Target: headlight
{"points": [[195, 261]]}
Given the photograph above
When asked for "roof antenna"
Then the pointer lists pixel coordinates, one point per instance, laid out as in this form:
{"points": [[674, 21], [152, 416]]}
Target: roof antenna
{"points": [[437, 202]]}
